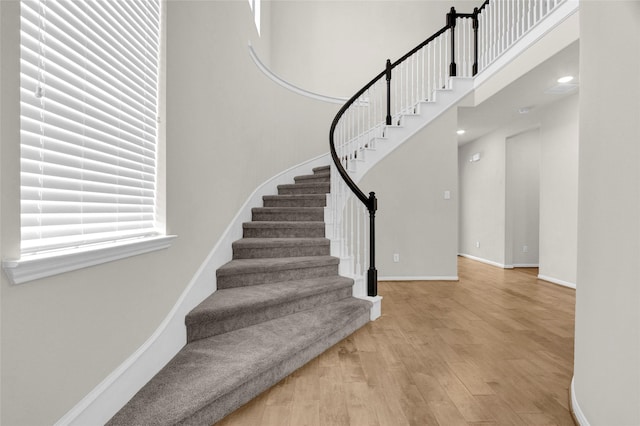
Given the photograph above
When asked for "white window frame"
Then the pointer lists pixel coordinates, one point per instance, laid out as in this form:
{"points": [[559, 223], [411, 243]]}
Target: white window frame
{"points": [[40, 265]]}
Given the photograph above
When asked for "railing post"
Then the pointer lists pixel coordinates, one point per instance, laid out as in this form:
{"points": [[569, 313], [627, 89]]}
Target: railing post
{"points": [[451, 22], [388, 73], [372, 273], [475, 41]]}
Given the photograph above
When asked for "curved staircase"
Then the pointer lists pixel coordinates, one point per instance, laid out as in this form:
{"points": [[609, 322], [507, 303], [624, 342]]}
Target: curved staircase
{"points": [[280, 303]]}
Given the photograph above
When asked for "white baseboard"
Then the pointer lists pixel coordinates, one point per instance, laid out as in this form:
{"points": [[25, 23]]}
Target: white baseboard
{"points": [[420, 278], [522, 265], [575, 407], [120, 385], [557, 281], [487, 261]]}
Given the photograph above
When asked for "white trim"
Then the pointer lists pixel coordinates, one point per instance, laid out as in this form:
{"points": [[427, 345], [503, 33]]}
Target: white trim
{"points": [[278, 80], [34, 267], [557, 281], [376, 309], [117, 388], [487, 261], [575, 407], [420, 278], [523, 265]]}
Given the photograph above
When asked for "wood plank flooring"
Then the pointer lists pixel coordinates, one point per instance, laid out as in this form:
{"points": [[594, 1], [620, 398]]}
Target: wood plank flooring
{"points": [[495, 348]]}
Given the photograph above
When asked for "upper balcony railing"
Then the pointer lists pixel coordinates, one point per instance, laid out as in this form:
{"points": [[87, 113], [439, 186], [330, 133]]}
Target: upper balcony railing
{"points": [[467, 44]]}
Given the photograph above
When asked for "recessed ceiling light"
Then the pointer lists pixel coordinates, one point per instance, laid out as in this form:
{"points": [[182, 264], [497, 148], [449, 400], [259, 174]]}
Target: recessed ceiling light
{"points": [[565, 79], [461, 132], [524, 110]]}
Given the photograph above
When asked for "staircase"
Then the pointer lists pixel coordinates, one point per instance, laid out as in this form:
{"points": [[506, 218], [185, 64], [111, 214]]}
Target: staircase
{"points": [[280, 303]]}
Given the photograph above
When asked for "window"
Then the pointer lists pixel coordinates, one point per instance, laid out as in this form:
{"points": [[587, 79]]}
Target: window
{"points": [[89, 76]]}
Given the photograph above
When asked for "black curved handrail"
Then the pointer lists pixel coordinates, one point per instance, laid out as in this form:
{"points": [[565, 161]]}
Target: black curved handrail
{"points": [[371, 202]]}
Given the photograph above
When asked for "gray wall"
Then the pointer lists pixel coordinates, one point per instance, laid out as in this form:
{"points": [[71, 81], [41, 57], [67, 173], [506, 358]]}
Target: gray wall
{"points": [[336, 47], [559, 191], [413, 218], [483, 189], [607, 338], [522, 204]]}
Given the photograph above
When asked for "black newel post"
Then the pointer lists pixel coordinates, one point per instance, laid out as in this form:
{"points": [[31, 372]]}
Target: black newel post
{"points": [[388, 72], [451, 22], [372, 273], [475, 41]]}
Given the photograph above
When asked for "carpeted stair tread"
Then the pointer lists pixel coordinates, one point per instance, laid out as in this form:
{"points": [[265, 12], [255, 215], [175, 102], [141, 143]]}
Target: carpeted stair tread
{"points": [[316, 177], [321, 169], [243, 272], [241, 266], [280, 247], [283, 229], [206, 379], [233, 308], [304, 188], [295, 200], [293, 214]]}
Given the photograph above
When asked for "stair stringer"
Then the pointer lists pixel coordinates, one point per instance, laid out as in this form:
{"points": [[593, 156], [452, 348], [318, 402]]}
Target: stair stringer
{"points": [[108, 397]]}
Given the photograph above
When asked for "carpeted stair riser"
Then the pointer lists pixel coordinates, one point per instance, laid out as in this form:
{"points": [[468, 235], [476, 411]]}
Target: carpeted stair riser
{"points": [[241, 307], [300, 200], [284, 229], [211, 377], [304, 188], [291, 214], [256, 278], [257, 248]]}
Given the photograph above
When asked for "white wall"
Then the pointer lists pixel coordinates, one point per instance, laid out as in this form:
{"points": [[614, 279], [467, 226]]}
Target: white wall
{"points": [[522, 203], [559, 191], [336, 47], [413, 218], [483, 191], [607, 337], [482, 198], [228, 129]]}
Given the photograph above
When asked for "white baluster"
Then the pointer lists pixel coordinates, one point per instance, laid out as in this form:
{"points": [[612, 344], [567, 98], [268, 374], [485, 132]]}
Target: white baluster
{"points": [[440, 62], [491, 32], [395, 94], [407, 89], [467, 47], [429, 73], [412, 93]]}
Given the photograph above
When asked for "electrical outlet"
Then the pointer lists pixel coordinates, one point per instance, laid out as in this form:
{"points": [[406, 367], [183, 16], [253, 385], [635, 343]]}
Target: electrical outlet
{"points": [[477, 244], [525, 249], [396, 257]]}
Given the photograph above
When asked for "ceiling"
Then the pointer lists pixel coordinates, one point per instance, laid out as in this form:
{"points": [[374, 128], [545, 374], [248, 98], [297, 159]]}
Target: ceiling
{"points": [[534, 90]]}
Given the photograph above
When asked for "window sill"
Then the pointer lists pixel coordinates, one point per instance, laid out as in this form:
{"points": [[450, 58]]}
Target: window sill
{"points": [[40, 266]]}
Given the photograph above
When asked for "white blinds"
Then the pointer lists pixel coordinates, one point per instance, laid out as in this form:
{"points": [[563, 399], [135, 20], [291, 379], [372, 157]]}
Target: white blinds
{"points": [[89, 78]]}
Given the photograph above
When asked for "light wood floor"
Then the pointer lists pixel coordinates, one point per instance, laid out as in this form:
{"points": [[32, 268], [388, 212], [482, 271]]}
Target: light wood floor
{"points": [[495, 348]]}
